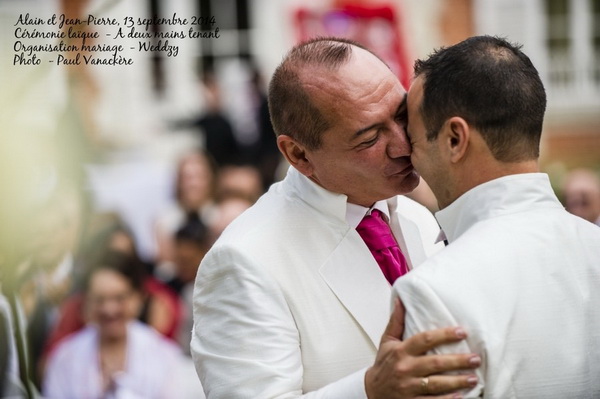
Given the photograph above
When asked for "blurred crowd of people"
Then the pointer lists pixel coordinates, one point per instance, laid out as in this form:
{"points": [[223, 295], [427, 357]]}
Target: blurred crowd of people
{"points": [[83, 314], [95, 307]]}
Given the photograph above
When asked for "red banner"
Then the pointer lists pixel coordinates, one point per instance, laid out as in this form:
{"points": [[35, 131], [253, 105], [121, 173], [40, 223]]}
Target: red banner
{"points": [[377, 28]]}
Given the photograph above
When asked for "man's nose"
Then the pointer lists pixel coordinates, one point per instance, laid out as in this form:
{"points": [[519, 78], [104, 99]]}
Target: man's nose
{"points": [[398, 145]]}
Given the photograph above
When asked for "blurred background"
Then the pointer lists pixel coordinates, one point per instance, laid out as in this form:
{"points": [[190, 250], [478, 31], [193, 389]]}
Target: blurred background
{"points": [[154, 159]]}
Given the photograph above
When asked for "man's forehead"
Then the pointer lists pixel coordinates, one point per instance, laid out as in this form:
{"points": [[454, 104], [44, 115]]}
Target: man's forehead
{"points": [[323, 86]]}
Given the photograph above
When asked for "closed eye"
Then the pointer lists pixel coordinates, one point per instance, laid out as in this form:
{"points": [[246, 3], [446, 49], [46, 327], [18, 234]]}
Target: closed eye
{"points": [[369, 143]]}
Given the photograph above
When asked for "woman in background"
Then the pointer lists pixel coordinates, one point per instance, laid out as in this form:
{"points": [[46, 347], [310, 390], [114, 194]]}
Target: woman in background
{"points": [[114, 356], [161, 307], [194, 197]]}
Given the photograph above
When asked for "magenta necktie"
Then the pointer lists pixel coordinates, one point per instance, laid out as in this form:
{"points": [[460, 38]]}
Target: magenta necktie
{"points": [[378, 236]]}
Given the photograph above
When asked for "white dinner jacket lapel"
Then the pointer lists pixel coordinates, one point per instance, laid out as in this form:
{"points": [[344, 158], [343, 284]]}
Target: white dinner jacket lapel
{"points": [[351, 271], [409, 239], [354, 276], [407, 234]]}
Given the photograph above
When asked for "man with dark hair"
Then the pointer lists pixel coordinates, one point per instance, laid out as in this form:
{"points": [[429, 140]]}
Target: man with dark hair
{"points": [[495, 87], [520, 273], [292, 300]]}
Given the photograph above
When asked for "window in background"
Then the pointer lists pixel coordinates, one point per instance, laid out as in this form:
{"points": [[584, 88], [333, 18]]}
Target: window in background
{"points": [[573, 50], [595, 7], [559, 42]]}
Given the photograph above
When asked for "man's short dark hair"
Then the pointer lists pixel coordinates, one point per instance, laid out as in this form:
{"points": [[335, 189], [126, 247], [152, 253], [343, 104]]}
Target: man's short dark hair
{"points": [[491, 84], [292, 111]]}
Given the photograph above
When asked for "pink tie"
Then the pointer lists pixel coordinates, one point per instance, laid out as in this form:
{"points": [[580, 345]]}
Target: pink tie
{"points": [[378, 236]]}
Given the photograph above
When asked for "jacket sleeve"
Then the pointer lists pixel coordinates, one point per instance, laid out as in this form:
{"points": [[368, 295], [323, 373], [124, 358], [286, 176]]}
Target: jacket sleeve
{"points": [[426, 311], [245, 343]]}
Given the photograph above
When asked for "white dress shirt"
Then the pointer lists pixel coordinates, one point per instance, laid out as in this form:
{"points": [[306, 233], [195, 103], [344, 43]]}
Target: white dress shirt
{"points": [[356, 213]]}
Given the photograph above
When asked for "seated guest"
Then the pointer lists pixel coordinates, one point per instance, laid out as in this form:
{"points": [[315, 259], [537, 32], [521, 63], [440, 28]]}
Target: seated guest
{"points": [[194, 189], [161, 307], [115, 355], [581, 190], [191, 244]]}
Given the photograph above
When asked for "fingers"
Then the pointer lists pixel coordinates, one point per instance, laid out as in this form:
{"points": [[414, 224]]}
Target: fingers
{"points": [[395, 327], [402, 369], [436, 364], [444, 384], [448, 396], [421, 343]]}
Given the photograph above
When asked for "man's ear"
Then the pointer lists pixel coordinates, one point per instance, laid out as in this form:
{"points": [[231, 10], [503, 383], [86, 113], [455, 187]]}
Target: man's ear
{"points": [[295, 154], [457, 135]]}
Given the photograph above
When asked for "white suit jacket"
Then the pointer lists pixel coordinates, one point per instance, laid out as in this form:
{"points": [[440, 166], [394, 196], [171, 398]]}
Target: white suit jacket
{"points": [[290, 300], [523, 277]]}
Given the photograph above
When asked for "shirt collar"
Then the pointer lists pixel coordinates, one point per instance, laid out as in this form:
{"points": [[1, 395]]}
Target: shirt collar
{"points": [[355, 213], [330, 203], [441, 237], [503, 196], [323, 201]]}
